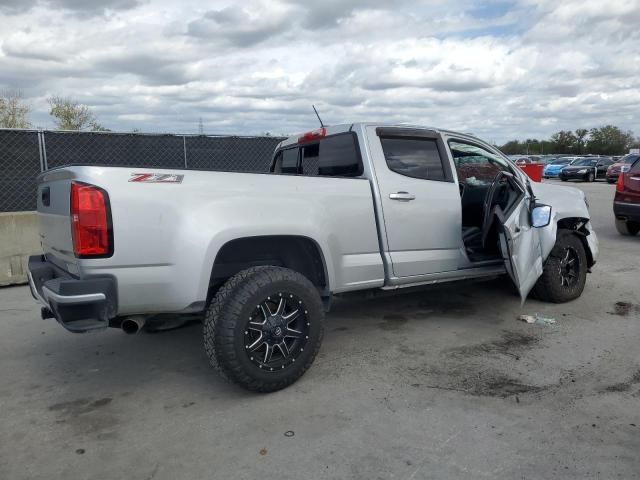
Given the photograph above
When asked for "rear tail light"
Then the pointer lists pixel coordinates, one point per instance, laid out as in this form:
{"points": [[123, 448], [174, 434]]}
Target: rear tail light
{"points": [[90, 221], [313, 135], [620, 183]]}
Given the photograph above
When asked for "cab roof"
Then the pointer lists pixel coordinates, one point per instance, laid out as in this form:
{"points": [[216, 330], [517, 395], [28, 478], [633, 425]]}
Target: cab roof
{"points": [[346, 127]]}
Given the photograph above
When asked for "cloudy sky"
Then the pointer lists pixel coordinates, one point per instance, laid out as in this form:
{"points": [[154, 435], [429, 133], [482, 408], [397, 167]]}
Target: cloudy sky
{"points": [[499, 69]]}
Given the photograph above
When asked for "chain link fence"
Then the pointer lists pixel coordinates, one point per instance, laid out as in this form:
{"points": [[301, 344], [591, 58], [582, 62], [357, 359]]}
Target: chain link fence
{"points": [[26, 153], [20, 163]]}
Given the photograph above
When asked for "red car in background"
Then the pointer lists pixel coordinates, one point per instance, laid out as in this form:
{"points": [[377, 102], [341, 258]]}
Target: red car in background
{"points": [[626, 203], [620, 166]]}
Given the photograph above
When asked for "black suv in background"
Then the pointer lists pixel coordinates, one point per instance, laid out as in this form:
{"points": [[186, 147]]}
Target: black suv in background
{"points": [[586, 169]]}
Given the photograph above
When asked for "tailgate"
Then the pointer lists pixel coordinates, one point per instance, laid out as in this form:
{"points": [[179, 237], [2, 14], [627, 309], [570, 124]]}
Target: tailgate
{"points": [[53, 202]]}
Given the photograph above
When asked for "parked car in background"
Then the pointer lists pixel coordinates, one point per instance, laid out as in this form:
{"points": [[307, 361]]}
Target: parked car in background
{"points": [[626, 202], [553, 168], [621, 165], [586, 169], [547, 159]]}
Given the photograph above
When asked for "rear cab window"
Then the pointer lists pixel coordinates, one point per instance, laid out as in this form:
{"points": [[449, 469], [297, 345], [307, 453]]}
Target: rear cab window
{"points": [[332, 156]]}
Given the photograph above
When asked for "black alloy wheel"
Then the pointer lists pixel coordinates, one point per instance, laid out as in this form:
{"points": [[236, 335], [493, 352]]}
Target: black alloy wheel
{"points": [[565, 271], [277, 331], [264, 327], [569, 268]]}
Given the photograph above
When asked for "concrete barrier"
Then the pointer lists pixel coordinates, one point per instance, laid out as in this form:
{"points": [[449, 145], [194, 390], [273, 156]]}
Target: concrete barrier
{"points": [[18, 239]]}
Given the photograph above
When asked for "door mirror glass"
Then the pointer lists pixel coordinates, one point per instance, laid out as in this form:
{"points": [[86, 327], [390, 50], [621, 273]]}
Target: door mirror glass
{"points": [[541, 216]]}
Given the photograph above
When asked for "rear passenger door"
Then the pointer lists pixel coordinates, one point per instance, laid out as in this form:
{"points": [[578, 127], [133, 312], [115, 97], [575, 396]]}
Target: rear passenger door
{"points": [[419, 198]]}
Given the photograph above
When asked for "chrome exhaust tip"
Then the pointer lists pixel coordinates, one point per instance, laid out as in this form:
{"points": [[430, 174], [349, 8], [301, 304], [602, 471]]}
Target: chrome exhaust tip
{"points": [[132, 325]]}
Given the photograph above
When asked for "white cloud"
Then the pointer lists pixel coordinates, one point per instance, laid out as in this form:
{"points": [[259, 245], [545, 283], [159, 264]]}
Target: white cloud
{"points": [[502, 69]]}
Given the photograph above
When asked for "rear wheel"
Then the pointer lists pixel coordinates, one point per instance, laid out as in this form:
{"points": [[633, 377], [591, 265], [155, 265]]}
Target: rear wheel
{"points": [[626, 227], [565, 271], [264, 328], [591, 177], [563, 179]]}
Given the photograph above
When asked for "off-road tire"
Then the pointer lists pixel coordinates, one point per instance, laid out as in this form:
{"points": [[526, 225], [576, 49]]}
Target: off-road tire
{"points": [[549, 287], [225, 321], [625, 227]]}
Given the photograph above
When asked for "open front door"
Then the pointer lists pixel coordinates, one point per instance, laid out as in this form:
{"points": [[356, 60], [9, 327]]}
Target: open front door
{"points": [[521, 246]]}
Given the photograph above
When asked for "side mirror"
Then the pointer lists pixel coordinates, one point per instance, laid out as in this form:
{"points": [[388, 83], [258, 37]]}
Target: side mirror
{"points": [[600, 165], [541, 216]]}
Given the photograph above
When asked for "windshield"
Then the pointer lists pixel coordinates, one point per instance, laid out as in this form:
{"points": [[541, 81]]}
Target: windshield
{"points": [[583, 163], [559, 162], [628, 159]]}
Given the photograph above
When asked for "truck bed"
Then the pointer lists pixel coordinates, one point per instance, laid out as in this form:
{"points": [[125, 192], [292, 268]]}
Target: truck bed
{"points": [[166, 235]]}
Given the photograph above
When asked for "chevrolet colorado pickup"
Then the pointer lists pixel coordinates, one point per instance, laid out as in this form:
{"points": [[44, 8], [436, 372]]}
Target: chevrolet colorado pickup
{"points": [[258, 257]]}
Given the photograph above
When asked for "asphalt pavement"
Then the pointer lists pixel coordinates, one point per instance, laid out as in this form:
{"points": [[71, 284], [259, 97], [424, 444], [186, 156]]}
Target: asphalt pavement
{"points": [[442, 383]]}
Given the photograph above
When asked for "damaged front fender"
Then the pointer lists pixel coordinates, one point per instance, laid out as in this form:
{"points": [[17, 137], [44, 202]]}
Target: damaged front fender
{"points": [[568, 211]]}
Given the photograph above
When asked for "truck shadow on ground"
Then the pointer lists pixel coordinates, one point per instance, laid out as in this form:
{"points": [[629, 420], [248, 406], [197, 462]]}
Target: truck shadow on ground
{"points": [[410, 335]]}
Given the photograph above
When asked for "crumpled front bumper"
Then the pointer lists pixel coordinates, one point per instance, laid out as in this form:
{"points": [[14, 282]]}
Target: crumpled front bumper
{"points": [[79, 305], [593, 243]]}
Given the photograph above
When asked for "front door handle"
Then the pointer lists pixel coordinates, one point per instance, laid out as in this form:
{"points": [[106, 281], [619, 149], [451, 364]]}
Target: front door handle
{"points": [[402, 196]]}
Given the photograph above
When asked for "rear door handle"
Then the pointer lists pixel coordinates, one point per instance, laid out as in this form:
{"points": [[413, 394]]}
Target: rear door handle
{"points": [[402, 196]]}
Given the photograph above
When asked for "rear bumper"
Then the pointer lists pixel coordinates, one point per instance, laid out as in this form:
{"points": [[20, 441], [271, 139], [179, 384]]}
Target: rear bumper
{"points": [[79, 305], [627, 211]]}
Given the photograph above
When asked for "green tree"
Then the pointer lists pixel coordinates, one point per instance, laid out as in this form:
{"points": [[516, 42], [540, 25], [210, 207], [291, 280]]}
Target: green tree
{"points": [[609, 140], [564, 141], [71, 115], [581, 135], [13, 110], [512, 147]]}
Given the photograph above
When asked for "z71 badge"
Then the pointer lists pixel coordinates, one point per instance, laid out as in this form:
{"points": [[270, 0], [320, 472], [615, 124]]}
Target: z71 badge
{"points": [[156, 178]]}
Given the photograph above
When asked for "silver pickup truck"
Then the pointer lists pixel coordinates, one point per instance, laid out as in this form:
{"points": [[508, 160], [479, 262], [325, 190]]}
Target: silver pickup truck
{"points": [[258, 257]]}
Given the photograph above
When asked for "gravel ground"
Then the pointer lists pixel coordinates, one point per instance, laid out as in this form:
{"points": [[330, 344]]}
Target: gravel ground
{"points": [[443, 383]]}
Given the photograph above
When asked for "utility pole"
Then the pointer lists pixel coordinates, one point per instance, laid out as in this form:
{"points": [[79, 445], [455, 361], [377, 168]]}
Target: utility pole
{"points": [[200, 127]]}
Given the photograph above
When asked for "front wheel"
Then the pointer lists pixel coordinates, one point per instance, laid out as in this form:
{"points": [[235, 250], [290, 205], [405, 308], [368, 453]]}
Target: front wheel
{"points": [[264, 328], [565, 271], [625, 227], [563, 179], [591, 177]]}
